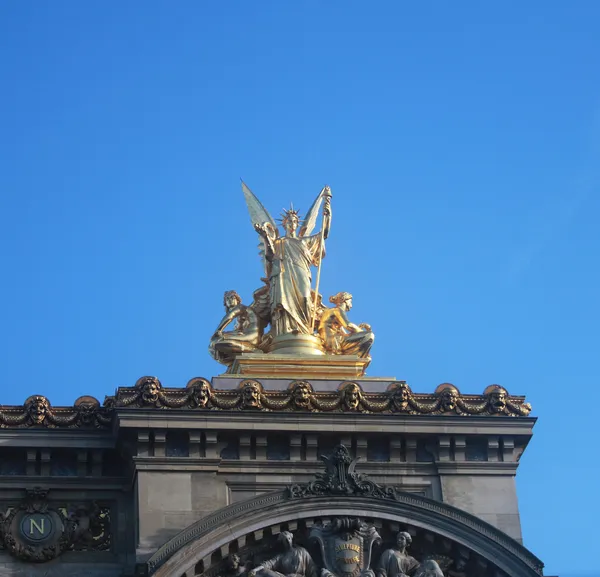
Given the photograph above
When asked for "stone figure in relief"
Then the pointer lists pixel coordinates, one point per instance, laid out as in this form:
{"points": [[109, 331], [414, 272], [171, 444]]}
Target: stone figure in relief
{"points": [[244, 337], [234, 566], [429, 568], [294, 561], [339, 335], [397, 562]]}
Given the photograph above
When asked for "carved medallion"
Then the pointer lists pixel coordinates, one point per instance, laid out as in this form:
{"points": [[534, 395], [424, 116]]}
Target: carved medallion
{"points": [[35, 530]]}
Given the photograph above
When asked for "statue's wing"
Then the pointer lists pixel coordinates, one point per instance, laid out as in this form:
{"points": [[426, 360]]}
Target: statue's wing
{"points": [[258, 213], [308, 224]]}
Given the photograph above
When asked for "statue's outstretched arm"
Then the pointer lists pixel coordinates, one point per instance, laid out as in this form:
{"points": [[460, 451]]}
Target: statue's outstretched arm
{"points": [[227, 319]]}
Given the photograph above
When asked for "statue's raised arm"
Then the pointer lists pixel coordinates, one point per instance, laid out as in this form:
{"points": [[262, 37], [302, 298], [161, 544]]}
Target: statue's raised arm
{"points": [[285, 315], [288, 260]]}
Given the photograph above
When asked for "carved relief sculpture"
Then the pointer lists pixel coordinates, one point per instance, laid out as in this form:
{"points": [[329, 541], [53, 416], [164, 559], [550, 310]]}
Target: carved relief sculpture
{"points": [[37, 530], [396, 562], [294, 561]]}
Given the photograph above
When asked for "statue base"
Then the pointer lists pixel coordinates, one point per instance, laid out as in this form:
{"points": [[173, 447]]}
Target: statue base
{"points": [[307, 366], [298, 345]]}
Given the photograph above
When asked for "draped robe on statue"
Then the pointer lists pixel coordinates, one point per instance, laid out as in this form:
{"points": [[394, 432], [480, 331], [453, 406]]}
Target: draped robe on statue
{"points": [[295, 562], [290, 283], [397, 564]]}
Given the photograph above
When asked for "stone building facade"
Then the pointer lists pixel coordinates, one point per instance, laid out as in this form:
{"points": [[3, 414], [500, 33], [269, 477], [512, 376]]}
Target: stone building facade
{"points": [[181, 482]]}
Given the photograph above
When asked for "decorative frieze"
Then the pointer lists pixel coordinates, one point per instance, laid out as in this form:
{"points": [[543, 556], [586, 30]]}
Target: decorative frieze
{"points": [[251, 395]]}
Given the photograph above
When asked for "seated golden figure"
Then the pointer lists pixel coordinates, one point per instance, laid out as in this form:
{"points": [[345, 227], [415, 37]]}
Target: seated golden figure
{"points": [[339, 335], [244, 338]]}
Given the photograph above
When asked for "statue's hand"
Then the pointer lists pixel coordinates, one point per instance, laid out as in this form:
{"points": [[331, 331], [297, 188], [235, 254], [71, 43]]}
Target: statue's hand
{"points": [[260, 229], [254, 571]]}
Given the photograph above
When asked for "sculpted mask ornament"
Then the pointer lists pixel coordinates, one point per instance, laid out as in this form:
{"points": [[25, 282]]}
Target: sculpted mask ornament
{"points": [[201, 393], [251, 393], [401, 394], [150, 388], [351, 396], [448, 395], [301, 395], [37, 407], [87, 408], [497, 397]]}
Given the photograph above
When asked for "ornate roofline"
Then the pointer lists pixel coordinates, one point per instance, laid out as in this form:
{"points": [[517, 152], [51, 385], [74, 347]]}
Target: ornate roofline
{"points": [[251, 395]]}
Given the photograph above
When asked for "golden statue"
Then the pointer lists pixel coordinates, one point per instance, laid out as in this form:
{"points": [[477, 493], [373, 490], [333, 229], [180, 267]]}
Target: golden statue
{"points": [[339, 335], [299, 324], [288, 260], [244, 338]]}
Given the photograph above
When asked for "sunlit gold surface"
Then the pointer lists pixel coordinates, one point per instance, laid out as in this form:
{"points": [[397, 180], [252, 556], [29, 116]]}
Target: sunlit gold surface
{"points": [[293, 366], [287, 315]]}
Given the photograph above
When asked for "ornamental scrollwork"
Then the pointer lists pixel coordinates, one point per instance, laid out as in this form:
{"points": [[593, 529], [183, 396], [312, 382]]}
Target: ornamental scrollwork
{"points": [[38, 530], [341, 478]]}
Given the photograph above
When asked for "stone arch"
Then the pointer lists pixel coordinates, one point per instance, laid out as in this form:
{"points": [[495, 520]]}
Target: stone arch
{"points": [[194, 546]]}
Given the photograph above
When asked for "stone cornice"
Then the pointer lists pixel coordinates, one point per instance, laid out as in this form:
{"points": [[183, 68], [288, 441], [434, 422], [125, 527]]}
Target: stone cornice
{"points": [[253, 397], [252, 421]]}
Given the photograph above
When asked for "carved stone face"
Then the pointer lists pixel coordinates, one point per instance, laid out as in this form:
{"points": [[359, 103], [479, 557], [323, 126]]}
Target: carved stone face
{"points": [[150, 390], [251, 395], [401, 395], [448, 398], [497, 400], [86, 413], [37, 407], [403, 540], [352, 396], [287, 539], [301, 394], [201, 394], [233, 562]]}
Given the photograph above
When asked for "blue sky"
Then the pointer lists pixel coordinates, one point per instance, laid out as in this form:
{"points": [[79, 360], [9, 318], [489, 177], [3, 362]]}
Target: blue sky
{"points": [[461, 141]]}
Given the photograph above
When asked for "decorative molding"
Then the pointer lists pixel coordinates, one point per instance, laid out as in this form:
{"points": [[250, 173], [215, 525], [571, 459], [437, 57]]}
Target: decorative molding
{"points": [[300, 397], [37, 411], [340, 478]]}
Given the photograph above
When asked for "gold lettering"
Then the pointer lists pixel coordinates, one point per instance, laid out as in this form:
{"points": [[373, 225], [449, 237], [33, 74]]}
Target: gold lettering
{"points": [[40, 527], [348, 560], [346, 547]]}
